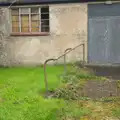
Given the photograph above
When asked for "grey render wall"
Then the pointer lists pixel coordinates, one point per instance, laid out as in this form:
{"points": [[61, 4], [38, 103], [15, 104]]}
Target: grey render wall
{"points": [[68, 28]]}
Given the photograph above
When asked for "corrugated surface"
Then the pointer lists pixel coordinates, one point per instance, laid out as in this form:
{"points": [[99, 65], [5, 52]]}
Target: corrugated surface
{"points": [[98, 41], [104, 34], [115, 39], [98, 10]]}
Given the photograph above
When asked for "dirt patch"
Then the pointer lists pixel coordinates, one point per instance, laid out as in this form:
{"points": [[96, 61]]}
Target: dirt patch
{"points": [[99, 89]]}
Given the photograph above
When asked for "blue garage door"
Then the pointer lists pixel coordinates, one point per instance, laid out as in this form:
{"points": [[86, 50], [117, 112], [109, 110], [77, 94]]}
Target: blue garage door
{"points": [[104, 34]]}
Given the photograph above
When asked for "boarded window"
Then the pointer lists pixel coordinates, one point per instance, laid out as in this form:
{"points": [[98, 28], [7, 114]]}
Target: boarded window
{"points": [[30, 20], [25, 23], [15, 20]]}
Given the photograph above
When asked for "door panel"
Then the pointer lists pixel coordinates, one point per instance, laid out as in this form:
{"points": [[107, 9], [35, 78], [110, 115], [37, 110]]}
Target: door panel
{"points": [[114, 29], [98, 43]]}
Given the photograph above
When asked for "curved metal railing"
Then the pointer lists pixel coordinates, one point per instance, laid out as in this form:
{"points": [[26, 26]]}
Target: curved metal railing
{"points": [[68, 50]]}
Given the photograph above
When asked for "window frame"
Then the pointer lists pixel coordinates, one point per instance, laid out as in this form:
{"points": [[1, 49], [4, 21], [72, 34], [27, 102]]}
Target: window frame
{"points": [[30, 33]]}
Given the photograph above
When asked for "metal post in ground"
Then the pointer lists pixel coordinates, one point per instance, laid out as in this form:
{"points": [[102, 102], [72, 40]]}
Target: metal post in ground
{"points": [[65, 67], [83, 53], [45, 74]]}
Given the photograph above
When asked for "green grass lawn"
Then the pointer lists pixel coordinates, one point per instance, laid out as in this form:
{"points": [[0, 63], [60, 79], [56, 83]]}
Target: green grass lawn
{"points": [[21, 91], [29, 81]]}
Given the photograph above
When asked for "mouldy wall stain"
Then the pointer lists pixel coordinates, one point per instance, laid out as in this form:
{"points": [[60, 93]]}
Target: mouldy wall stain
{"points": [[68, 28]]}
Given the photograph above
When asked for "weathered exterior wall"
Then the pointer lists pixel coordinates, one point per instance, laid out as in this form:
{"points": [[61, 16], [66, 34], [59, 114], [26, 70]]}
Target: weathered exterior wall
{"points": [[68, 28]]}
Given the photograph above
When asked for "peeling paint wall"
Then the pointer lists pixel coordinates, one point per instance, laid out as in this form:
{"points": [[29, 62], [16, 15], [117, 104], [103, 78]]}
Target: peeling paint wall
{"points": [[68, 28]]}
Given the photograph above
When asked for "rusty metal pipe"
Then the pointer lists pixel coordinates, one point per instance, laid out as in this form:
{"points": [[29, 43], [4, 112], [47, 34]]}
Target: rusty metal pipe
{"points": [[65, 68], [68, 50], [45, 73]]}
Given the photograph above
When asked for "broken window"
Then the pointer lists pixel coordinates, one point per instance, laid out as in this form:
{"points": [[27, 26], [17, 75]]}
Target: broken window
{"points": [[44, 19], [30, 20]]}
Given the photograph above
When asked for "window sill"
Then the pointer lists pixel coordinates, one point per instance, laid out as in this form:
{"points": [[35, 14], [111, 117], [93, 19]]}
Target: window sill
{"points": [[31, 34]]}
